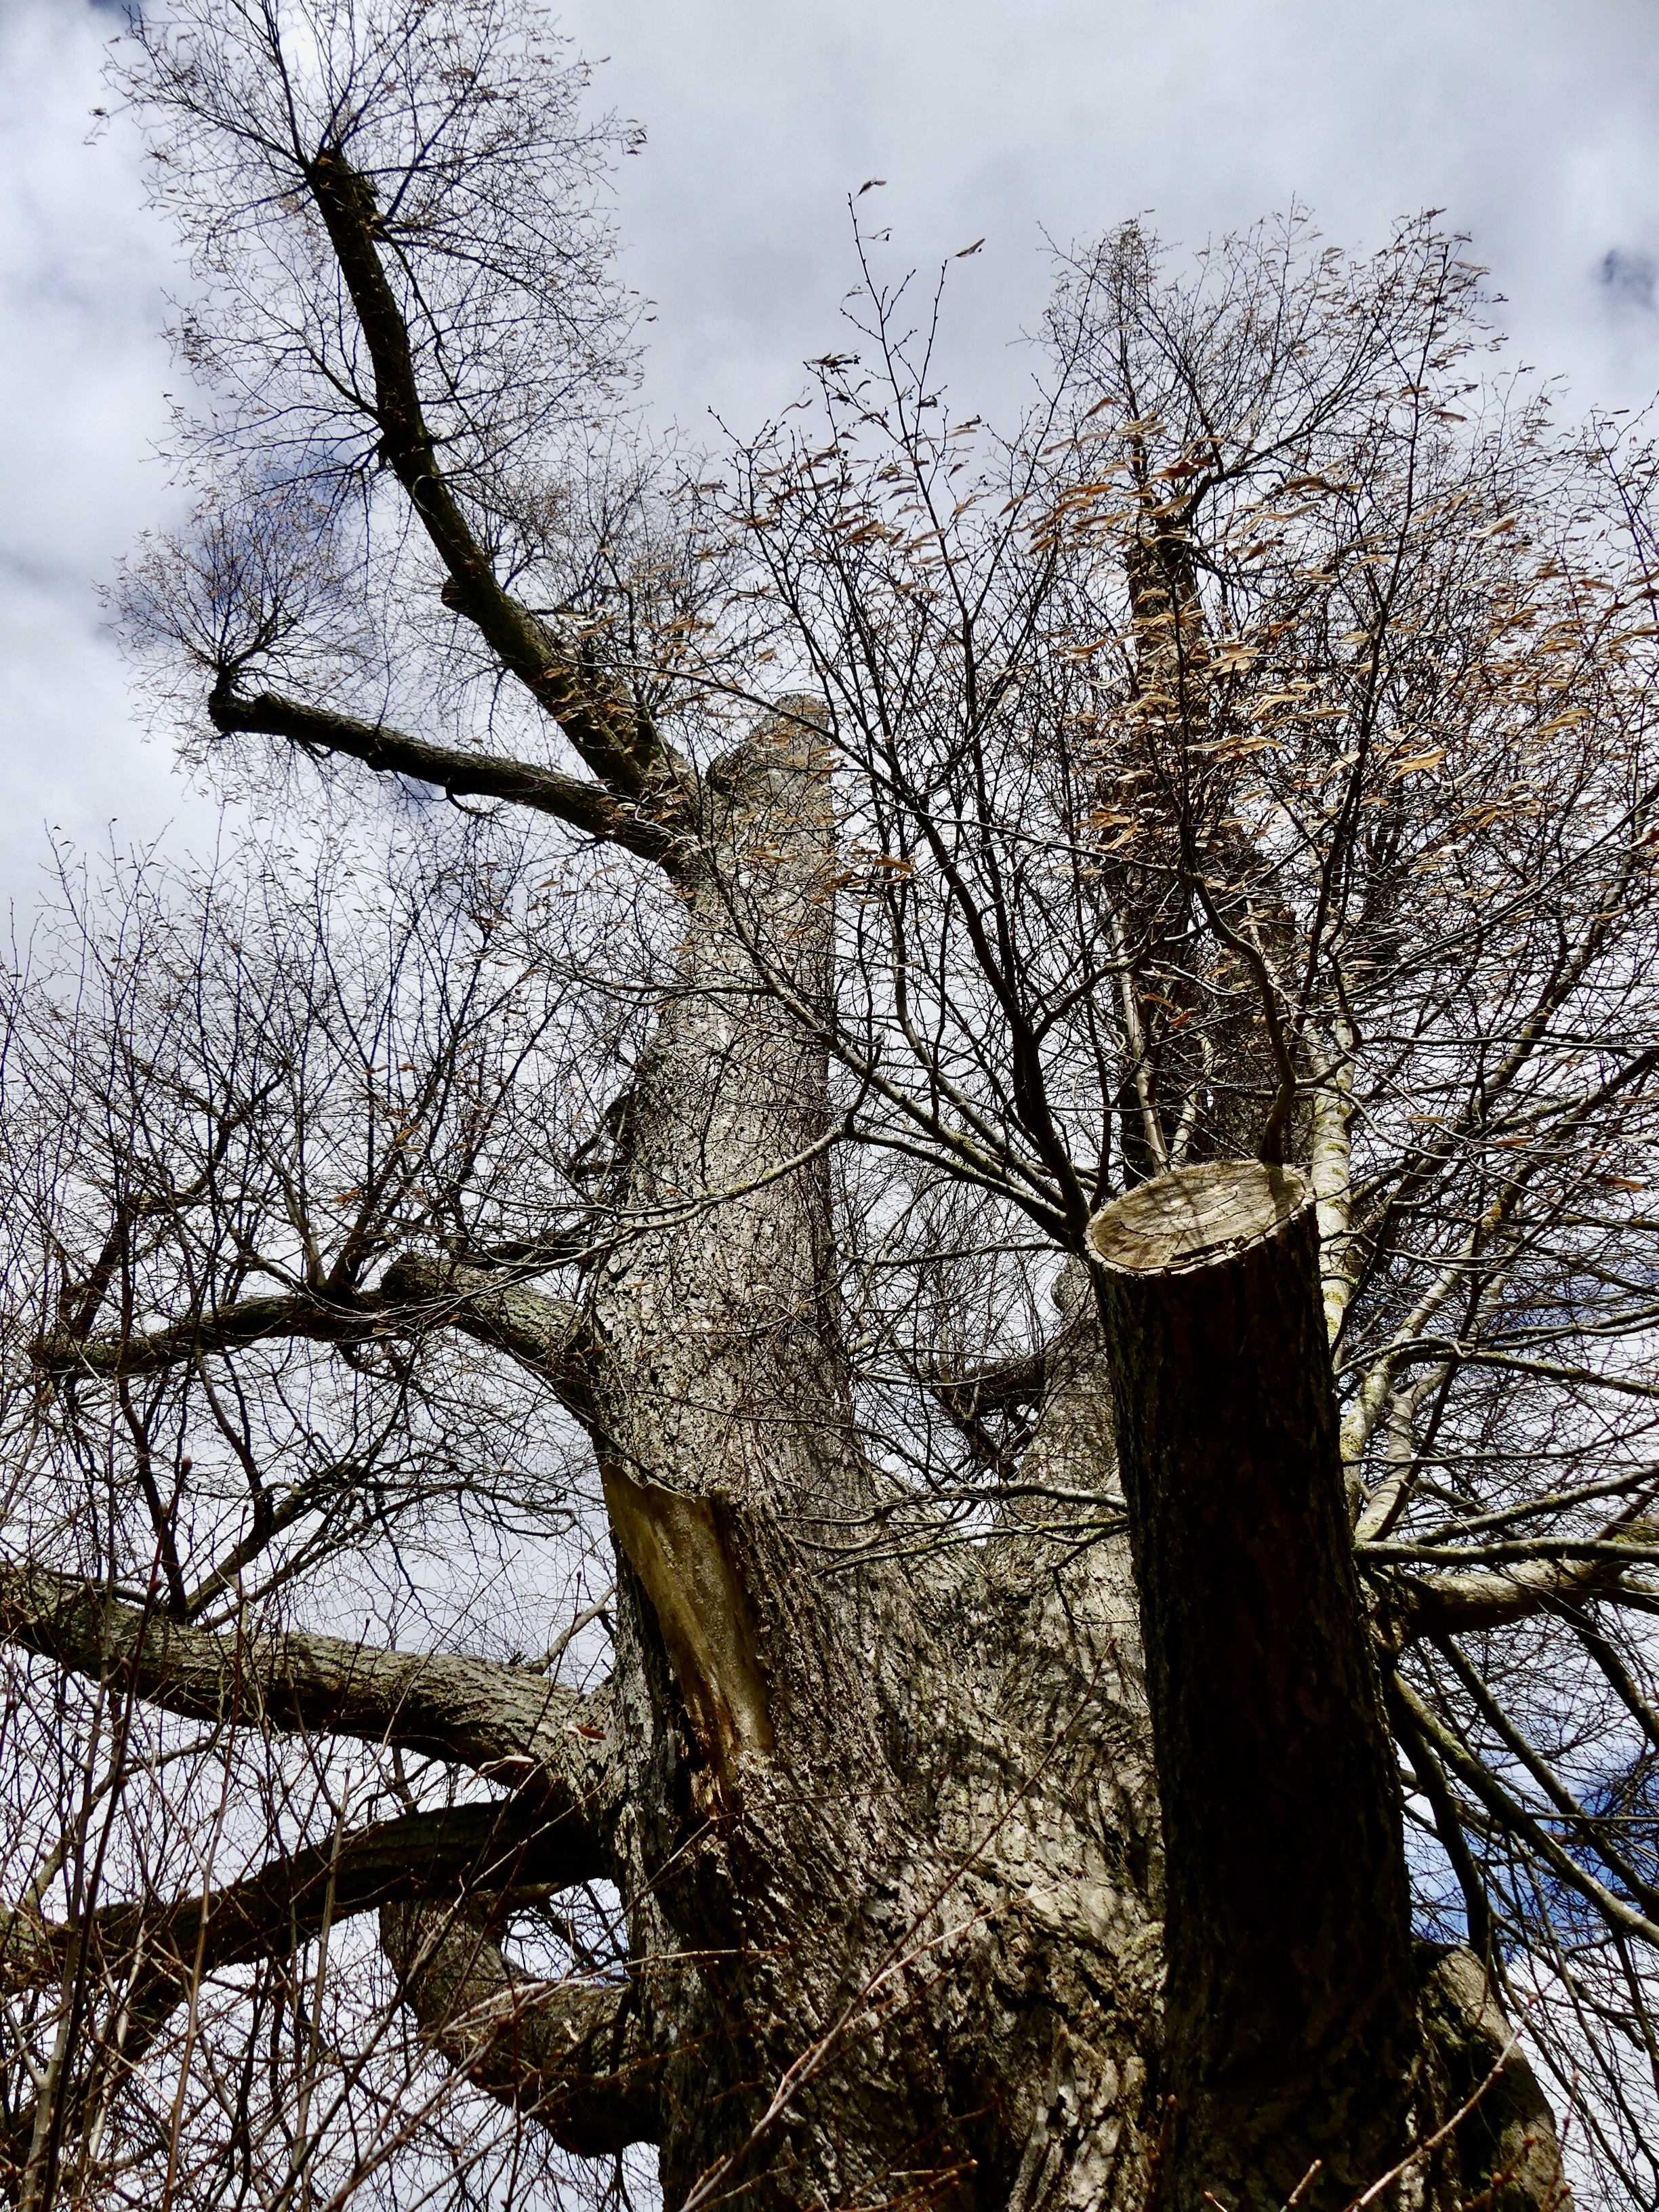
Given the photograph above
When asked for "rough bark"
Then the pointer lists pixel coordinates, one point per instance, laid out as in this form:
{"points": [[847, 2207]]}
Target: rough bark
{"points": [[1298, 2052], [609, 729], [416, 1292], [764, 1829], [1047, 1784], [507, 1723], [474, 1857], [459, 1851], [893, 1823], [892, 1838], [585, 806], [572, 2057]]}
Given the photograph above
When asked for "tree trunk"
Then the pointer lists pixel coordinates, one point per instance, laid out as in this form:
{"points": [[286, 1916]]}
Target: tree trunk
{"points": [[890, 1854], [1289, 2008], [889, 1836], [1302, 2053]]}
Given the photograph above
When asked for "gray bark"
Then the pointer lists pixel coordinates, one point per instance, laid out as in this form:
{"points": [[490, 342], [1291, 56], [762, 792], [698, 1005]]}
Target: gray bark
{"points": [[573, 2058], [896, 1821], [506, 1724]]}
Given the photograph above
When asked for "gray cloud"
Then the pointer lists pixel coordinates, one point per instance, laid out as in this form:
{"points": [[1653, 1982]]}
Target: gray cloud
{"points": [[1630, 278], [1533, 126]]}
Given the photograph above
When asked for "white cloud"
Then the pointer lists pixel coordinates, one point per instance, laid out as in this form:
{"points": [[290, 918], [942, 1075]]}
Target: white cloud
{"points": [[83, 373], [1534, 125]]}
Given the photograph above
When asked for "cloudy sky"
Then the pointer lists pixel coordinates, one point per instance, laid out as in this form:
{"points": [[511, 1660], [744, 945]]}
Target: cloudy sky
{"points": [[1534, 123]]}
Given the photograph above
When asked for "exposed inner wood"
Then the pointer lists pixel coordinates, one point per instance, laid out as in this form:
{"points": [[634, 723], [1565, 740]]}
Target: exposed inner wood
{"points": [[1197, 1217], [676, 1546]]}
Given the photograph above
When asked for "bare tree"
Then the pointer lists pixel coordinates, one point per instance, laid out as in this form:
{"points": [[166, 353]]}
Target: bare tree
{"points": [[875, 1403]]}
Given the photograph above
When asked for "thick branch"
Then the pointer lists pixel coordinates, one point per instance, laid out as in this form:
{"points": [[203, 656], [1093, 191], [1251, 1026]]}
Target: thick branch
{"points": [[586, 806], [575, 2058], [224, 1328], [461, 1851], [1459, 1604], [545, 1335], [1022, 1380], [608, 730], [541, 1333], [499, 1720], [152, 1954]]}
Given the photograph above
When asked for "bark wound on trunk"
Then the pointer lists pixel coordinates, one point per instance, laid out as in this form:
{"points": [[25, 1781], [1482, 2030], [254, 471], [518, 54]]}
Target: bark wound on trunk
{"points": [[679, 1547], [1291, 2019]]}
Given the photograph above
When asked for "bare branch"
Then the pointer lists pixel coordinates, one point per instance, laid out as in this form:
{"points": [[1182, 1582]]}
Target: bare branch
{"points": [[503, 1722], [589, 807], [576, 2059], [609, 731], [543, 1333], [460, 1850], [1455, 1605]]}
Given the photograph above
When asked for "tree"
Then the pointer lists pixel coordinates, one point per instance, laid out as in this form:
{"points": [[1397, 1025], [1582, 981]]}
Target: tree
{"points": [[982, 1103]]}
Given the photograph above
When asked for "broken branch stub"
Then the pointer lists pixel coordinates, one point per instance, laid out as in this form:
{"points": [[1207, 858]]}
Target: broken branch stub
{"points": [[1289, 2002]]}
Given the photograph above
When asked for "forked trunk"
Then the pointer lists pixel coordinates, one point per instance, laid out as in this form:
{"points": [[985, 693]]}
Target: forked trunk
{"points": [[891, 1851]]}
